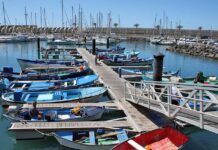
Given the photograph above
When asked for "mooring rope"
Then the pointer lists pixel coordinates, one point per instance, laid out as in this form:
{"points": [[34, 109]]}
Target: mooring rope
{"points": [[44, 134]]}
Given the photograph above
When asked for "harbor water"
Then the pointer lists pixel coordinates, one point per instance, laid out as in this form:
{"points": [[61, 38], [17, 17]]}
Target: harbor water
{"points": [[189, 66]]}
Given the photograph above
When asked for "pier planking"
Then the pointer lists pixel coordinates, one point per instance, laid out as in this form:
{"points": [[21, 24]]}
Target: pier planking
{"points": [[52, 126], [69, 105], [116, 86]]}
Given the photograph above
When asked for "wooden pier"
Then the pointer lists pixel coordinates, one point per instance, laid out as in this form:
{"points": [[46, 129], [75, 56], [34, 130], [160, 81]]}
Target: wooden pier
{"points": [[52, 126], [69, 105], [116, 87]]}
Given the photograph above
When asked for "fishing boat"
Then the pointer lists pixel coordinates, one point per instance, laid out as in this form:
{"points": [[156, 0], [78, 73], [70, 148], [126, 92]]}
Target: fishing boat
{"points": [[111, 55], [77, 113], [52, 84], [160, 139], [132, 53], [117, 49], [72, 95], [149, 77], [91, 140], [27, 63], [61, 42], [128, 62], [165, 74], [48, 73], [60, 54], [167, 42], [207, 80], [126, 71]]}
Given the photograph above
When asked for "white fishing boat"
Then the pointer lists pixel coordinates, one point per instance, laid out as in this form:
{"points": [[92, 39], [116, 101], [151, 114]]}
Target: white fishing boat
{"points": [[91, 140]]}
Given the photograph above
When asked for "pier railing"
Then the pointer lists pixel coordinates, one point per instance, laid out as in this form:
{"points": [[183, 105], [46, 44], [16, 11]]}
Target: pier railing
{"points": [[195, 104]]}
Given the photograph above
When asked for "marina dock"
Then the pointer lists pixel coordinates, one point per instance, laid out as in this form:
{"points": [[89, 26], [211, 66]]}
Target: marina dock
{"points": [[116, 86], [69, 105], [52, 126]]}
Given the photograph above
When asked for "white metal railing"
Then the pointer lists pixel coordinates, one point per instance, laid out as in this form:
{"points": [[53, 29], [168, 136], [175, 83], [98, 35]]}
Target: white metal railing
{"points": [[190, 103]]}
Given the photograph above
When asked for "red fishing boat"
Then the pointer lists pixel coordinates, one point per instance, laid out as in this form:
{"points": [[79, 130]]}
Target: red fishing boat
{"points": [[161, 139]]}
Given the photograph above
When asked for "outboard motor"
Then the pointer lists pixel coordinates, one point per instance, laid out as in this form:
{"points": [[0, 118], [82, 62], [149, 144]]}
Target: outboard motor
{"points": [[8, 70]]}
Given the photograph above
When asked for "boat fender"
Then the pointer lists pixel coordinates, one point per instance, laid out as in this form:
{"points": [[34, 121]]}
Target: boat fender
{"points": [[176, 79], [12, 109], [212, 78], [75, 110]]}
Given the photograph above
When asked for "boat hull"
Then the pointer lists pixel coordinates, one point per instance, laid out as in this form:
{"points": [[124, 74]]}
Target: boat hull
{"points": [[97, 113], [5, 102], [143, 63], [75, 145], [26, 63], [28, 135], [53, 76]]}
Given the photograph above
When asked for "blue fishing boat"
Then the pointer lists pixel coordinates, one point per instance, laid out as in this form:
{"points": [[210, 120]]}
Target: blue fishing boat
{"points": [[116, 61], [126, 71], [132, 53], [51, 73], [165, 74], [77, 113], [117, 49], [91, 140], [27, 63], [73, 95], [52, 84]]}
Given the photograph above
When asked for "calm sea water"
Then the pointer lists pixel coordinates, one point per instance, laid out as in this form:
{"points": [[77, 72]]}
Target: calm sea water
{"points": [[199, 139]]}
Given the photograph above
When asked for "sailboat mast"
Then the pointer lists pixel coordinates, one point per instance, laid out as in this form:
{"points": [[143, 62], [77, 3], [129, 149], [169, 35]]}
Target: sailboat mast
{"points": [[25, 16], [45, 18], [62, 12], [72, 16], [41, 16], [35, 18], [3, 5], [81, 14]]}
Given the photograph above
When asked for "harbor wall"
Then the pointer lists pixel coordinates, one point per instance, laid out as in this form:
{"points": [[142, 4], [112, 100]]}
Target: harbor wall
{"points": [[199, 49], [127, 32]]}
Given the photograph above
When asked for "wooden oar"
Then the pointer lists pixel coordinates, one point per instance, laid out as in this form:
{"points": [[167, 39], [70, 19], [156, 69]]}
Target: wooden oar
{"points": [[99, 136], [107, 135]]}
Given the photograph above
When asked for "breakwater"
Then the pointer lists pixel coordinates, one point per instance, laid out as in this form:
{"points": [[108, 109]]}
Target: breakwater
{"points": [[201, 50], [129, 32]]}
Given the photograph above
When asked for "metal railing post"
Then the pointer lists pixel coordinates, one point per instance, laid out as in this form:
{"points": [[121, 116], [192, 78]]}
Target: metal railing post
{"points": [[135, 90], [125, 90], [169, 92], [201, 109], [195, 102]]}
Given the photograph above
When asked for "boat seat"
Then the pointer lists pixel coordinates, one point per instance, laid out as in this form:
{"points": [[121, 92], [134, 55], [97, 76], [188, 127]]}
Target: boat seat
{"points": [[135, 145], [27, 97], [65, 95], [92, 137], [58, 95]]}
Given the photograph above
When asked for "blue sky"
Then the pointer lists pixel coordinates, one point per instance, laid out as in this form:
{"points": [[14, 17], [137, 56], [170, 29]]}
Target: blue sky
{"points": [[190, 13]]}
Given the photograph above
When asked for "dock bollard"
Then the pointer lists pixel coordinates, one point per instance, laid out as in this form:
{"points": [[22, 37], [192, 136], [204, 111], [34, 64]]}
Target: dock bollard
{"points": [[158, 67], [85, 39], [96, 60], [38, 47], [93, 47], [108, 43], [120, 72], [158, 70]]}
